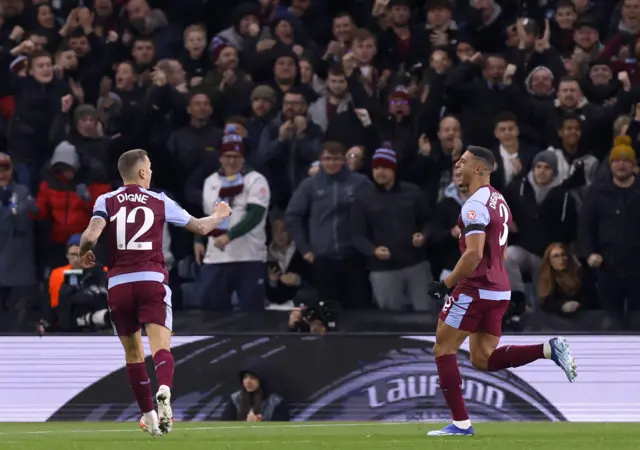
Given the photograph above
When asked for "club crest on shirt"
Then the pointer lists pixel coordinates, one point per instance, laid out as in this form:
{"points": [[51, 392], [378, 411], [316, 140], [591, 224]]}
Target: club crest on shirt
{"points": [[471, 215]]}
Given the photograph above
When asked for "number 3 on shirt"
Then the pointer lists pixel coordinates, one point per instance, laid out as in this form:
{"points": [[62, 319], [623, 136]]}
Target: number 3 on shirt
{"points": [[504, 215], [122, 219]]}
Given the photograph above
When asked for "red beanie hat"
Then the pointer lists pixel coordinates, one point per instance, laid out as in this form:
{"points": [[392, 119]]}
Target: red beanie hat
{"points": [[232, 143]]}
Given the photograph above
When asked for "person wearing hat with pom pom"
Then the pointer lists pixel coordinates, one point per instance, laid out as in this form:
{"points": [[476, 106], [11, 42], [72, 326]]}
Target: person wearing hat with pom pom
{"points": [[608, 234], [393, 241], [236, 251], [227, 86]]}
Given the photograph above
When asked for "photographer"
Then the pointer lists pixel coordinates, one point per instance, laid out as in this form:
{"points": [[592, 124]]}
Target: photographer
{"points": [[316, 317], [79, 299]]}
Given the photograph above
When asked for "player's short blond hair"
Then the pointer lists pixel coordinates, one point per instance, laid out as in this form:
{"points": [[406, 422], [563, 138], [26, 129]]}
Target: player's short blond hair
{"points": [[196, 28], [129, 161]]}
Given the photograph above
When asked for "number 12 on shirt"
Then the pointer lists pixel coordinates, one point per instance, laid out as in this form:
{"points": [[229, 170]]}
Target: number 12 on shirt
{"points": [[122, 219]]}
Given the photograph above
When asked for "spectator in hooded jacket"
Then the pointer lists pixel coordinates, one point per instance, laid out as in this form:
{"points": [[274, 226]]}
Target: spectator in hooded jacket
{"points": [[64, 200], [254, 401], [246, 27]]}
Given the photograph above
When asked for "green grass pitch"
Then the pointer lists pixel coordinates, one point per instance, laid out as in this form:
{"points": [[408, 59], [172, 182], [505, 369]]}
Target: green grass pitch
{"points": [[348, 436]]}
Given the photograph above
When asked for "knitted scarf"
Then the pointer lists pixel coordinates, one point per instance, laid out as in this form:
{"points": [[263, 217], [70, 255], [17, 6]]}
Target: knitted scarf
{"points": [[230, 187]]}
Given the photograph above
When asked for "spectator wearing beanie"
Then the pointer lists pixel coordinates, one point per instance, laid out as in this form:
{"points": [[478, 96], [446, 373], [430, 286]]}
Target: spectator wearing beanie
{"points": [[543, 212], [318, 219], [226, 84], [309, 77], [235, 254], [246, 27], [88, 138], [401, 127], [56, 279], [608, 231], [263, 111], [599, 85], [282, 73], [388, 226]]}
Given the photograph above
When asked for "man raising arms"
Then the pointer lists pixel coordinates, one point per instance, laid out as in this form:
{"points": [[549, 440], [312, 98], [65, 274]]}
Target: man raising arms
{"points": [[139, 294], [481, 293]]}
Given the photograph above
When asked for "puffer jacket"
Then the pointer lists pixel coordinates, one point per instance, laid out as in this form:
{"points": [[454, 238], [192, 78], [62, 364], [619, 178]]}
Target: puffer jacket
{"points": [[59, 199]]}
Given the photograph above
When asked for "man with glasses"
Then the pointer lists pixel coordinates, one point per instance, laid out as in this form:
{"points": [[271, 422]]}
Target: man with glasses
{"points": [[288, 147], [318, 218]]}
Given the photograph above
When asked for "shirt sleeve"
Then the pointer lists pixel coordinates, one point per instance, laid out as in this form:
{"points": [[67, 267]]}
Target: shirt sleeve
{"points": [[174, 213], [100, 208], [475, 217], [259, 193]]}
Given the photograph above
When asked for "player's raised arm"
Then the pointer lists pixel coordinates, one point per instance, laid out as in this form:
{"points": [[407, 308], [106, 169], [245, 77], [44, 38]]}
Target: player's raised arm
{"points": [[175, 215], [475, 217]]}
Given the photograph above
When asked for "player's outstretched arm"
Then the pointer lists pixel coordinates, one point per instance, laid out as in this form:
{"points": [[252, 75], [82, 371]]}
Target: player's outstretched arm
{"points": [[91, 234], [206, 225]]}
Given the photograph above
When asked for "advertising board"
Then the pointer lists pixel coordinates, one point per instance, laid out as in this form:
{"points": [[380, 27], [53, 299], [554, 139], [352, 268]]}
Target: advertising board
{"points": [[345, 377]]}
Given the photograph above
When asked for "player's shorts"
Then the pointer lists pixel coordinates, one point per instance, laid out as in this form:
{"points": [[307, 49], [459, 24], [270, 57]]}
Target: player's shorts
{"points": [[137, 303], [466, 311]]}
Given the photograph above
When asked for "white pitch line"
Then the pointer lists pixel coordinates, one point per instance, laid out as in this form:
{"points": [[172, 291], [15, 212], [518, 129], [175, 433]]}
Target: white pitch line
{"points": [[234, 427]]}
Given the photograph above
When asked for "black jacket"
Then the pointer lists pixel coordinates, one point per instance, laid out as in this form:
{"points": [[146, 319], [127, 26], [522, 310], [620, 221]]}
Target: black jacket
{"points": [[609, 227], [554, 219], [390, 218], [443, 248], [272, 406]]}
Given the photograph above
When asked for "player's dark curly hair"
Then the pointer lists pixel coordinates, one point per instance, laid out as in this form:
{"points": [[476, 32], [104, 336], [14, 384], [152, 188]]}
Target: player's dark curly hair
{"points": [[483, 154]]}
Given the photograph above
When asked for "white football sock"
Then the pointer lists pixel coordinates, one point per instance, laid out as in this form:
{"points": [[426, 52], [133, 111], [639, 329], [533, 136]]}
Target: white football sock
{"points": [[546, 350], [462, 424]]}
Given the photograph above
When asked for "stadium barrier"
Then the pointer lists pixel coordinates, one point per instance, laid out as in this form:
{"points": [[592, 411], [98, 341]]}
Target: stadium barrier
{"points": [[341, 377]]}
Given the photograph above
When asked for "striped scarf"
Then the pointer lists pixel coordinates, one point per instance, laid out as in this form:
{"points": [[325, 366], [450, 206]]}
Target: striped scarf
{"points": [[230, 187]]}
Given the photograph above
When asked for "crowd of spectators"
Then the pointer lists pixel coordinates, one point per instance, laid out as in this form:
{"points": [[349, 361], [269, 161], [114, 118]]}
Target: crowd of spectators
{"points": [[332, 128]]}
